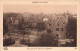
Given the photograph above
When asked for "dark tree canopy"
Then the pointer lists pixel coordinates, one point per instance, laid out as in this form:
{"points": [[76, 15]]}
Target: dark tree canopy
{"points": [[72, 27], [41, 26], [5, 27]]}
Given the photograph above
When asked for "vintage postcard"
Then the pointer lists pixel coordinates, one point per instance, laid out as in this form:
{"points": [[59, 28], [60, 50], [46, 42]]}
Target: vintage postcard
{"points": [[39, 25]]}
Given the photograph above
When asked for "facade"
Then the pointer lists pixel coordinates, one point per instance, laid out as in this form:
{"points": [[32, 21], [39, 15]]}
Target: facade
{"points": [[58, 25]]}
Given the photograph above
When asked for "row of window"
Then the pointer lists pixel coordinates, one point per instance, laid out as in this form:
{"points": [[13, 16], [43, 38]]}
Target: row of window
{"points": [[57, 29]]}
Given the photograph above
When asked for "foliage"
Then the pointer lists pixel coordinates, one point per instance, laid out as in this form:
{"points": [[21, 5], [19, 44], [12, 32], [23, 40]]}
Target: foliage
{"points": [[9, 41], [25, 42], [46, 40], [5, 27], [72, 29], [41, 26]]}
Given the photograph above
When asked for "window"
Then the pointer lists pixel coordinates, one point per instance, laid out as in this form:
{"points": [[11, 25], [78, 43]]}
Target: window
{"points": [[57, 29], [58, 24], [50, 24], [61, 29], [57, 35], [49, 31]]}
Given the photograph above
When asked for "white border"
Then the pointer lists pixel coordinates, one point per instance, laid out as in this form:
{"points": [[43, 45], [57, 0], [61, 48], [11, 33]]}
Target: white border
{"points": [[41, 48]]}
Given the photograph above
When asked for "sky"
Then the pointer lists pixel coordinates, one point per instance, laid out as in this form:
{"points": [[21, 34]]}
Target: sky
{"points": [[47, 9]]}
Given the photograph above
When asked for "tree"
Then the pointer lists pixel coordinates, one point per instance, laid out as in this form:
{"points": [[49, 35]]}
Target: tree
{"points": [[21, 27], [5, 27], [24, 31], [41, 26], [72, 28], [9, 41], [46, 39]]}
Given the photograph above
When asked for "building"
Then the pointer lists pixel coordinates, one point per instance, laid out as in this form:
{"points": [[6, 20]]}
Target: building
{"points": [[57, 24]]}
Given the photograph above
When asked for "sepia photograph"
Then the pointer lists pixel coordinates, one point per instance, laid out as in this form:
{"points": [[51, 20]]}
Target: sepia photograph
{"points": [[39, 25]]}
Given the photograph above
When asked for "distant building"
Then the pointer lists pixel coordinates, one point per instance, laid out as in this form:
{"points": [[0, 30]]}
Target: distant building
{"points": [[45, 19], [58, 25]]}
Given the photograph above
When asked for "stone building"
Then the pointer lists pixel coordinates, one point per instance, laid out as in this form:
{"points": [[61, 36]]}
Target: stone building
{"points": [[57, 24]]}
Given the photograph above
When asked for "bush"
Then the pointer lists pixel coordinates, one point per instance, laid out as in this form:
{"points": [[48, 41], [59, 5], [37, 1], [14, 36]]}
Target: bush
{"points": [[9, 41], [72, 44], [23, 41], [46, 40]]}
